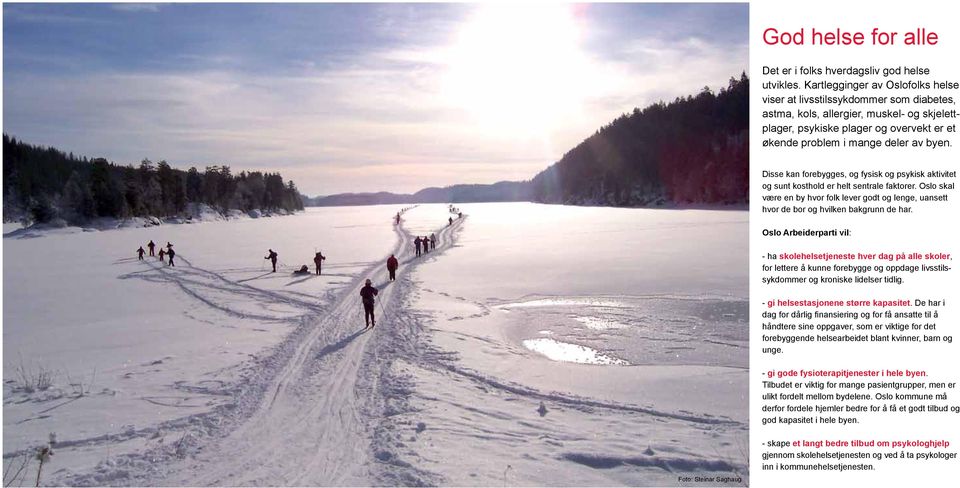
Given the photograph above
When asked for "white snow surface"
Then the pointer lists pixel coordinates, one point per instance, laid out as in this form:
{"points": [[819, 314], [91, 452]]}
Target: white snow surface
{"points": [[628, 325], [218, 372]]}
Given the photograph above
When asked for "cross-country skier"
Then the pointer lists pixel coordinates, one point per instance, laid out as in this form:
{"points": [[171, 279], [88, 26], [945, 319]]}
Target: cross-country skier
{"points": [[392, 264], [367, 295], [140, 253], [449, 221], [150, 246], [398, 218], [171, 254], [272, 256], [318, 261], [416, 242], [160, 254], [433, 241]]}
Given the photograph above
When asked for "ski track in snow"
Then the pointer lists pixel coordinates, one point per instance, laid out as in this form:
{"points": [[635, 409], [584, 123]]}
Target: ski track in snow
{"points": [[300, 416], [327, 405]]}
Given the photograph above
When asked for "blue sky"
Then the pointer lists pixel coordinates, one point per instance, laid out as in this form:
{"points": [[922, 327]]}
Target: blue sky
{"points": [[352, 97]]}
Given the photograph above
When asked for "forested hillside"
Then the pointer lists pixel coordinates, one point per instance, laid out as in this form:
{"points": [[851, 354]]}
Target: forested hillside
{"points": [[41, 184], [692, 150]]}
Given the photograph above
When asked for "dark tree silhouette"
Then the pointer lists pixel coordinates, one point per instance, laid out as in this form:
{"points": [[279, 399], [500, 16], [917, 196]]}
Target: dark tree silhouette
{"points": [[692, 150], [41, 184]]}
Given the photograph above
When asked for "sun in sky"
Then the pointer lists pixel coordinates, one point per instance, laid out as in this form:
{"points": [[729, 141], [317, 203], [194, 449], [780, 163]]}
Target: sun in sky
{"points": [[353, 97], [520, 69]]}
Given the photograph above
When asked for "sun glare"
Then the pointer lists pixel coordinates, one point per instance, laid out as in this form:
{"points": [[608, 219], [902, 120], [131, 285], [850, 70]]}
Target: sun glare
{"points": [[517, 69]]}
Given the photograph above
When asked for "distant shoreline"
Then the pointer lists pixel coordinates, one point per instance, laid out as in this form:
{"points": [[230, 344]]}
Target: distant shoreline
{"points": [[666, 205], [110, 223]]}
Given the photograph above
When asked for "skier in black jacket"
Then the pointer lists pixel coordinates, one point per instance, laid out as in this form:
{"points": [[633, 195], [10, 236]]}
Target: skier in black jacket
{"points": [[272, 256], [367, 296]]}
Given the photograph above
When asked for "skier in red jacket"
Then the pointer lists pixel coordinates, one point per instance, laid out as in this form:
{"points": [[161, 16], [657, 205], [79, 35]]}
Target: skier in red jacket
{"points": [[392, 264]]}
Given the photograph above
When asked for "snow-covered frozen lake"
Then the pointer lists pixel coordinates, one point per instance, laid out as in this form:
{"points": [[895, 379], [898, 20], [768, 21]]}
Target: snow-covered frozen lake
{"points": [[537, 345], [147, 344], [610, 308]]}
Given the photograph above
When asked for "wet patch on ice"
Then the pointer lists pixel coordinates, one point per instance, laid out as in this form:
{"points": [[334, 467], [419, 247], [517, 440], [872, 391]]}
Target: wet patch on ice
{"points": [[600, 461], [572, 353], [599, 323], [638, 330], [563, 301]]}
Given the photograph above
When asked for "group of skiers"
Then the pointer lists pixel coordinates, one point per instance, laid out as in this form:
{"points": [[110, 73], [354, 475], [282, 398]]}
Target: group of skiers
{"points": [[368, 293], [170, 253], [427, 243], [318, 259]]}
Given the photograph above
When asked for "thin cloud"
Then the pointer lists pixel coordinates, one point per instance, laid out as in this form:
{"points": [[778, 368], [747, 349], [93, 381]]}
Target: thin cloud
{"points": [[135, 7], [30, 14], [369, 119]]}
